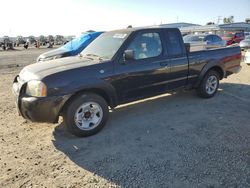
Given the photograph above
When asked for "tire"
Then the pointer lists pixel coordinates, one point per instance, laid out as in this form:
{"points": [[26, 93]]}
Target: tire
{"points": [[209, 85], [86, 114]]}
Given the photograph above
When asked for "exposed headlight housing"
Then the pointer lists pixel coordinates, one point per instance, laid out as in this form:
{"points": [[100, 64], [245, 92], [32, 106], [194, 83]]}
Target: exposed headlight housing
{"points": [[36, 88]]}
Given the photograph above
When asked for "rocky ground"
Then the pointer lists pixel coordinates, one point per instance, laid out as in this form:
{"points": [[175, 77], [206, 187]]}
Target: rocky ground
{"points": [[174, 140]]}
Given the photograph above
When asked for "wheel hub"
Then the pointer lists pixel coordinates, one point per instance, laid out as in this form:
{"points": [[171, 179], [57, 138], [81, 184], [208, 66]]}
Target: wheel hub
{"points": [[88, 116], [211, 84]]}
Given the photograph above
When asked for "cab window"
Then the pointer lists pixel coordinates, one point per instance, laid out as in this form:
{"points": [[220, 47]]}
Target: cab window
{"points": [[146, 45]]}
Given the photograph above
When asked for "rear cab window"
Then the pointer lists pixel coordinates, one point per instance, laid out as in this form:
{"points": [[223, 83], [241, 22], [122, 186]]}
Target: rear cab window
{"points": [[174, 44]]}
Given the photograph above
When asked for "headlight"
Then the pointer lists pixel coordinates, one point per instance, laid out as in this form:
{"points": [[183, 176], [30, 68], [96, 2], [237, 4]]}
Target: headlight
{"points": [[36, 88]]}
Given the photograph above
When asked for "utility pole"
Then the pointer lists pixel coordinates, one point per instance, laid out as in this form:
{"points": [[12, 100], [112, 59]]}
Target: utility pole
{"points": [[219, 19]]}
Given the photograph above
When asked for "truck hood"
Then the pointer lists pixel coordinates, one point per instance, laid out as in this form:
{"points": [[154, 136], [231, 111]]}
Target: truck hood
{"points": [[37, 71]]}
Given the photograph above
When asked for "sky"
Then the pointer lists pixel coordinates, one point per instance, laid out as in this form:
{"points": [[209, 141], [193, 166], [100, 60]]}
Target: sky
{"points": [[71, 17]]}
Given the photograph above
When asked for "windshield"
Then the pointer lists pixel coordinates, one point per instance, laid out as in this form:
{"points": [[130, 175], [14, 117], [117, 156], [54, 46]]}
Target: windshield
{"points": [[193, 38], [77, 42], [106, 45]]}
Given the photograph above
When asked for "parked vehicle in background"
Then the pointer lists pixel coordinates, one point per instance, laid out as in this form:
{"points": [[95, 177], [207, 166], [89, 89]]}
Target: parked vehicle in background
{"points": [[69, 38], [245, 44], [50, 39], [72, 48], [246, 33], [204, 41], [32, 40], [42, 40], [118, 67], [6, 43], [59, 40], [20, 41], [233, 38], [2, 45], [247, 57]]}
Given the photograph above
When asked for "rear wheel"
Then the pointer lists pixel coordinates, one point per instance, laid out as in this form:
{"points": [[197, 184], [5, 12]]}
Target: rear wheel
{"points": [[209, 85], [86, 114]]}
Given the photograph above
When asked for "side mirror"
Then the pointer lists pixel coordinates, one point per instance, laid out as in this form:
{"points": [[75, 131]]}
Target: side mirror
{"points": [[129, 55], [187, 45]]}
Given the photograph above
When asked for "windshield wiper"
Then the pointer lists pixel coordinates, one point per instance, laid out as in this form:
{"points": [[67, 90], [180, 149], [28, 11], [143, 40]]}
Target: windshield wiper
{"points": [[95, 56], [80, 55], [92, 55]]}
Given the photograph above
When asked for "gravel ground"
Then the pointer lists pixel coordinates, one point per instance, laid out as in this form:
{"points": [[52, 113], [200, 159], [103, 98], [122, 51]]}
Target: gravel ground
{"points": [[174, 140]]}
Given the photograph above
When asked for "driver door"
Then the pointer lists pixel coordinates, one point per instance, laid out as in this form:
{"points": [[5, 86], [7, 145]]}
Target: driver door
{"points": [[146, 74]]}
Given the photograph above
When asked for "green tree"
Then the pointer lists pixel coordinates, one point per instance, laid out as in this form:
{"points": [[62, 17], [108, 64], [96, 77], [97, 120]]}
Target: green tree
{"points": [[210, 23], [247, 20], [228, 20]]}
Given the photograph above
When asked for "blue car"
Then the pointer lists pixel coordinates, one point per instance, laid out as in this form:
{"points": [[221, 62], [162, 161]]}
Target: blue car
{"points": [[72, 48], [204, 41]]}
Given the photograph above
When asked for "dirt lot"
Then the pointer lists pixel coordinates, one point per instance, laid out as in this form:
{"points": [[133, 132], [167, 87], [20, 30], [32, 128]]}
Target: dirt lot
{"points": [[176, 140]]}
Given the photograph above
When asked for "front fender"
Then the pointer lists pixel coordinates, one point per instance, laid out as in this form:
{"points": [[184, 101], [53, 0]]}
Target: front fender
{"points": [[96, 85]]}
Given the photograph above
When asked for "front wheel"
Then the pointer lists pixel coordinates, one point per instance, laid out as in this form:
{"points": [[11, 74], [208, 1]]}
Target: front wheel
{"points": [[209, 85], [86, 114]]}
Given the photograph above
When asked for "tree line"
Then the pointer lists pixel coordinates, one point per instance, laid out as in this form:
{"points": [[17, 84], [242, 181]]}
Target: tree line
{"points": [[228, 20]]}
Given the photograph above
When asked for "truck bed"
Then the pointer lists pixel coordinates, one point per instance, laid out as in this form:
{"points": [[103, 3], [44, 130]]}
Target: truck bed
{"points": [[228, 58]]}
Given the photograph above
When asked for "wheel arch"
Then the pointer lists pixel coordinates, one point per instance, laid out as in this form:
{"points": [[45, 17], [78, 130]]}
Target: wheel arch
{"points": [[109, 98], [211, 66]]}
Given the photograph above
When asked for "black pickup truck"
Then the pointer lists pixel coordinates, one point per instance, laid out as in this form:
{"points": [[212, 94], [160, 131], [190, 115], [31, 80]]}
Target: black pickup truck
{"points": [[118, 67]]}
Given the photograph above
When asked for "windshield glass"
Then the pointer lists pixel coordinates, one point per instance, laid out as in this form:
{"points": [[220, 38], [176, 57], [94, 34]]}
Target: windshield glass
{"points": [[106, 45], [76, 43], [193, 38]]}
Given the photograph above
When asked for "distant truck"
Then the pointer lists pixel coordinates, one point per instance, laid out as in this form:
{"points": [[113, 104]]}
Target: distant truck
{"points": [[71, 48], [118, 67]]}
